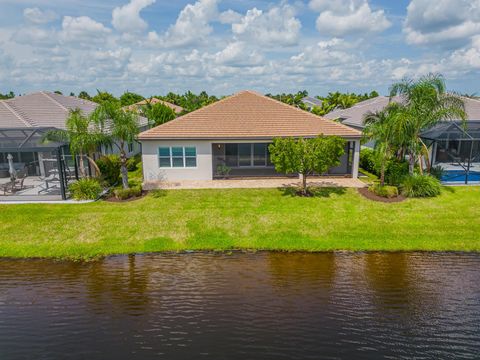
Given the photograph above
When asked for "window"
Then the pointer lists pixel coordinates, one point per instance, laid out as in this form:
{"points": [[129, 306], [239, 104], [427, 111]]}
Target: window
{"points": [[130, 147], [177, 157]]}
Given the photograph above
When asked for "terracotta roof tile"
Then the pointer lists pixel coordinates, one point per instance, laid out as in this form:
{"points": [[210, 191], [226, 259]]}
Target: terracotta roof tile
{"points": [[248, 115]]}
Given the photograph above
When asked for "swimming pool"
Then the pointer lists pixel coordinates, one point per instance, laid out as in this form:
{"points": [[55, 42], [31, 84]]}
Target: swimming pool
{"points": [[458, 176]]}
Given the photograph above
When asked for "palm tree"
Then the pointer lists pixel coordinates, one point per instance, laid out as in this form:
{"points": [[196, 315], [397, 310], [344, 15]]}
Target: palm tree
{"points": [[82, 136], [425, 104], [381, 127], [122, 128]]}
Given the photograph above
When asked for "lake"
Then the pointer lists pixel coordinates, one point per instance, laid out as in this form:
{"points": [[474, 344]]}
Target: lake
{"points": [[243, 306]]}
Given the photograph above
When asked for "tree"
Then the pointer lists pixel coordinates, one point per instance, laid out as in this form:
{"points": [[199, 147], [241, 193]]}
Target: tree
{"points": [[130, 98], [10, 95], [306, 156], [82, 136], [425, 104], [381, 127], [58, 92], [84, 95], [158, 113], [122, 128], [103, 97]]}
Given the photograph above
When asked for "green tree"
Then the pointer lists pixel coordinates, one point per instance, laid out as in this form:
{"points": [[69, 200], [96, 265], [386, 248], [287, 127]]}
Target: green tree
{"points": [[380, 126], [122, 130], [103, 96], [84, 95], [158, 113], [130, 98], [81, 134], [306, 156], [426, 103], [10, 95]]}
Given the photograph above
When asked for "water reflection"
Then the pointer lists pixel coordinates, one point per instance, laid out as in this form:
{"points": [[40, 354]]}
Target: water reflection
{"points": [[264, 305]]}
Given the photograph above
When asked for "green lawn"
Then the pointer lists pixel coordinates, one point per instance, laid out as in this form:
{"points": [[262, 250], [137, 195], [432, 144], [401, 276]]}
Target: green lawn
{"points": [[242, 219]]}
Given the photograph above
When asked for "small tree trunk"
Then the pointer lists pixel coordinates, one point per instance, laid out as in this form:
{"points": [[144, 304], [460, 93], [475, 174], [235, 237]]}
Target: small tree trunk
{"points": [[420, 163], [411, 163], [382, 174], [304, 184], [123, 168], [81, 165]]}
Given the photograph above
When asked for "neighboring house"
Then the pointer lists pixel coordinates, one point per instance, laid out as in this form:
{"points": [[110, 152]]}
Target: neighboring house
{"points": [[235, 132], [153, 101], [353, 116], [452, 145], [311, 102], [25, 119]]}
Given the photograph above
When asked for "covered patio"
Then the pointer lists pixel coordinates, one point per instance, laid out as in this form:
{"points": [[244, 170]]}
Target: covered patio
{"points": [[31, 169], [455, 147]]}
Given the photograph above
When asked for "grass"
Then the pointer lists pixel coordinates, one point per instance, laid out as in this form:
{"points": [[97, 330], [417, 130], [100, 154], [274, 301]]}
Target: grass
{"points": [[255, 219]]}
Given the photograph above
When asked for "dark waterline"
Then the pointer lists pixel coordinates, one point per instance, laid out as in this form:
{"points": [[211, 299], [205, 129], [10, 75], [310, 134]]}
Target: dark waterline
{"points": [[243, 306]]}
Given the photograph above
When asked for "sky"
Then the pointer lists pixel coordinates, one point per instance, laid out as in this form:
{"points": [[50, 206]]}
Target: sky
{"points": [[223, 46]]}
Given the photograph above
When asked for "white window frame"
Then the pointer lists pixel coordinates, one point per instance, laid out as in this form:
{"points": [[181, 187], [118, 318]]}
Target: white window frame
{"points": [[184, 157]]}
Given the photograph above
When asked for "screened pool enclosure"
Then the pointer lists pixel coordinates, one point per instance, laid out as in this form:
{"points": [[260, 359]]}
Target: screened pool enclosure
{"points": [[455, 147], [31, 169]]}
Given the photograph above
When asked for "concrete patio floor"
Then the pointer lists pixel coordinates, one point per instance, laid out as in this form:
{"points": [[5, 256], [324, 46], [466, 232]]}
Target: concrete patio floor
{"points": [[254, 183]]}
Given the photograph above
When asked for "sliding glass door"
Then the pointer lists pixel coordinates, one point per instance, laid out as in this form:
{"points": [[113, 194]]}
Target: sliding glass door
{"points": [[247, 155]]}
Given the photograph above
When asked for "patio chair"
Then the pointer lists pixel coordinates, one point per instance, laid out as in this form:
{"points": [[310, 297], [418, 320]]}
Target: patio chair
{"points": [[18, 184], [8, 187]]}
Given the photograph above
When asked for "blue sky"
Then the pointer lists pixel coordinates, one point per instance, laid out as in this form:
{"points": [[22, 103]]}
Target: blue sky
{"points": [[222, 46]]}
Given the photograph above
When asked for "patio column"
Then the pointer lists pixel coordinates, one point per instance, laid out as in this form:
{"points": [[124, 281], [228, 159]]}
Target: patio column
{"points": [[356, 159]]}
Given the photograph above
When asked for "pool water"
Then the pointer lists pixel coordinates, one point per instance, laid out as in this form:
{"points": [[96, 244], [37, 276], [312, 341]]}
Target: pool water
{"points": [[458, 176]]}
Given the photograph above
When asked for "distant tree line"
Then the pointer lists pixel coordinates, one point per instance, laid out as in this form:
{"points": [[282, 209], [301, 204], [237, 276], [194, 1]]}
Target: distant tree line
{"points": [[334, 100]]}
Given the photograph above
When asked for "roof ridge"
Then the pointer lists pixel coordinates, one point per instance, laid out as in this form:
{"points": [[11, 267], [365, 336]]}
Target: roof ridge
{"points": [[16, 114], [54, 101]]}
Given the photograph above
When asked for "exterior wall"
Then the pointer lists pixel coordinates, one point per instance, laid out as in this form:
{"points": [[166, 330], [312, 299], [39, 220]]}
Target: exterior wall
{"points": [[205, 160], [152, 171]]}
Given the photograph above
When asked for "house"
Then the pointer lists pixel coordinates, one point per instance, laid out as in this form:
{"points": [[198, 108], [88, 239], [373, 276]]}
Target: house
{"points": [[311, 102], [235, 132], [452, 145], [177, 109], [353, 116], [24, 121]]}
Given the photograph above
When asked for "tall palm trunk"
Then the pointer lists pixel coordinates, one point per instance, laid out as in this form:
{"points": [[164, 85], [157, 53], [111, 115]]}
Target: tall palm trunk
{"points": [[382, 173]]}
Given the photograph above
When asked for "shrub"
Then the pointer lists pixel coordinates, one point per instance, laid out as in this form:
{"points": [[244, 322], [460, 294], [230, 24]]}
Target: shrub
{"points": [[109, 166], [421, 186], [124, 194], [384, 191], [437, 172], [86, 189], [368, 160], [395, 171], [132, 163]]}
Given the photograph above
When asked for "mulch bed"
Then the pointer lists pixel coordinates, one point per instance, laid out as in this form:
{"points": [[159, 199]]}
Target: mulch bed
{"points": [[371, 196], [113, 199]]}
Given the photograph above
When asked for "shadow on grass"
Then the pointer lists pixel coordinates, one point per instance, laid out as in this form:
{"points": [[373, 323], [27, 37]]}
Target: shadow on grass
{"points": [[319, 192], [159, 193], [449, 189]]}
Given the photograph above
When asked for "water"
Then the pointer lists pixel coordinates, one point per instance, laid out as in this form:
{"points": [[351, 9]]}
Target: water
{"points": [[243, 306], [459, 176]]}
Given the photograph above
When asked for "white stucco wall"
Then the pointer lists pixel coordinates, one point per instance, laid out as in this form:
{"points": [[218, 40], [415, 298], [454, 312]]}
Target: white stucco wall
{"points": [[153, 172]]}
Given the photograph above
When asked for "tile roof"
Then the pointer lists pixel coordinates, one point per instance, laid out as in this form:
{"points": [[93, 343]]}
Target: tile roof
{"points": [[43, 109], [354, 116], [176, 108], [248, 115]]}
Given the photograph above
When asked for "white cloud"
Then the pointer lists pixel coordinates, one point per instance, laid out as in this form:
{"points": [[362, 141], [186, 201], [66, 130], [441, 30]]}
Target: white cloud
{"points": [[449, 22], [277, 26], [127, 18], [347, 17], [238, 54], [193, 24], [83, 29], [37, 16]]}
